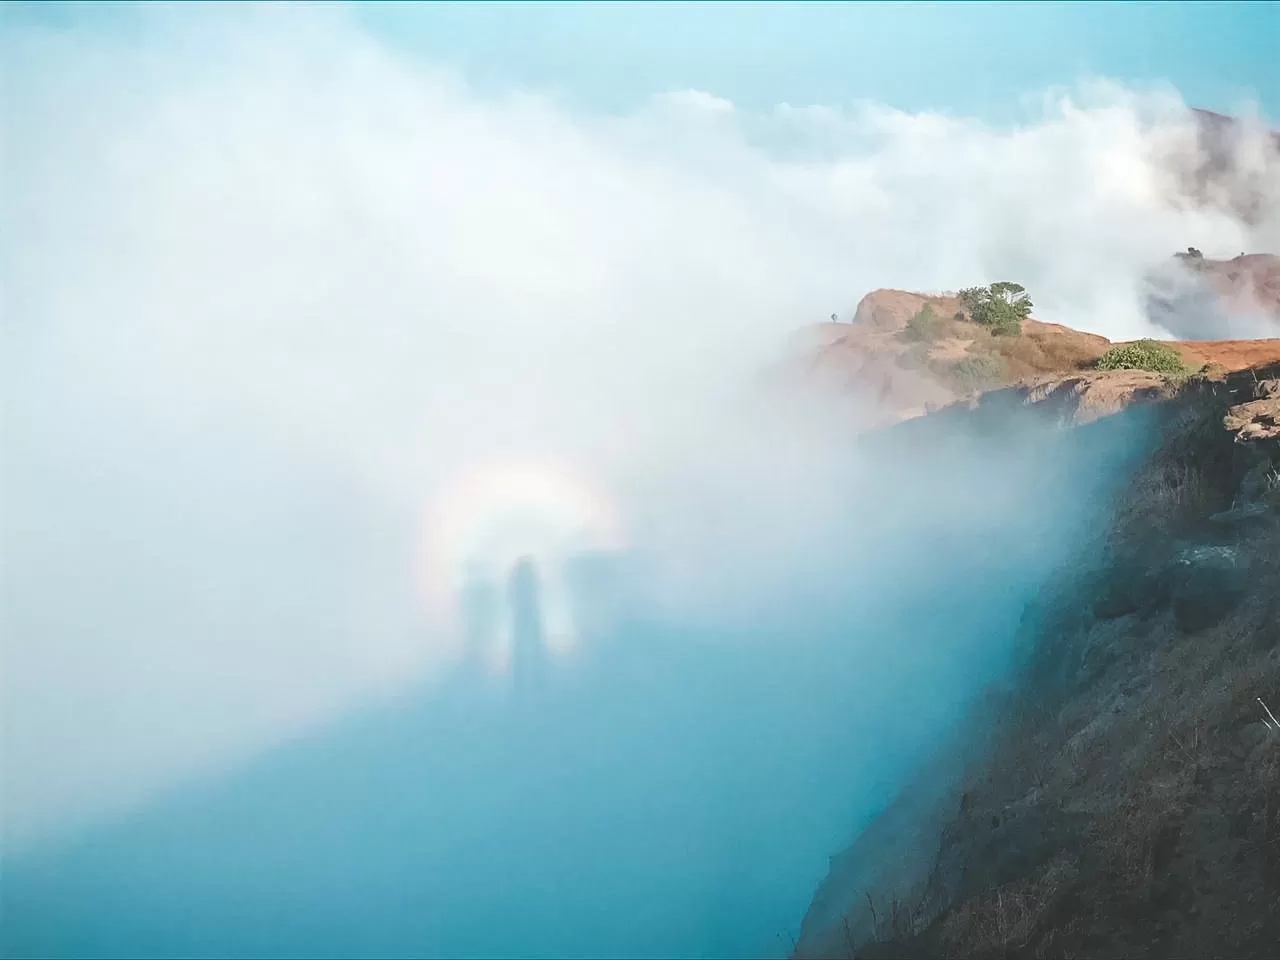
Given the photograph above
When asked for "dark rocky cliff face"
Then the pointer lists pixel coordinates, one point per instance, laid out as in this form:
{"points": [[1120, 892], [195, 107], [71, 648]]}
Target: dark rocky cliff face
{"points": [[1125, 799]]}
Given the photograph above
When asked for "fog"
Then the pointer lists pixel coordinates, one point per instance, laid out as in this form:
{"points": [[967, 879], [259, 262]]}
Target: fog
{"points": [[1185, 304], [275, 297]]}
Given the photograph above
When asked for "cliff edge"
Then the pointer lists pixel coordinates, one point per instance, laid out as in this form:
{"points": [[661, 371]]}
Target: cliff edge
{"points": [[1124, 798]]}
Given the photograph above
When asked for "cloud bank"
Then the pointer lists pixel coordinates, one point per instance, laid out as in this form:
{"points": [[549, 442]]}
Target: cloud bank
{"points": [[268, 287]]}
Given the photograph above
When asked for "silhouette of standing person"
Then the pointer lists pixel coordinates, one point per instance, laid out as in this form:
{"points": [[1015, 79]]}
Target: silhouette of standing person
{"points": [[528, 639], [481, 617]]}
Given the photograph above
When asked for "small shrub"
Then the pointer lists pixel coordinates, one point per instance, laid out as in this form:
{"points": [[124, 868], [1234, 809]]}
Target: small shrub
{"points": [[923, 326], [1143, 355], [1000, 307]]}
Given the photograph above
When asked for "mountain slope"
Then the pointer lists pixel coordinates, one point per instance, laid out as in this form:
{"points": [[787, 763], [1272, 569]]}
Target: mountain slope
{"points": [[1124, 800]]}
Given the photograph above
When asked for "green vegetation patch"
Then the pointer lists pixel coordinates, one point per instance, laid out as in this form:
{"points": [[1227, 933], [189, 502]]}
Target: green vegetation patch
{"points": [[923, 326], [1000, 307], [1143, 355]]}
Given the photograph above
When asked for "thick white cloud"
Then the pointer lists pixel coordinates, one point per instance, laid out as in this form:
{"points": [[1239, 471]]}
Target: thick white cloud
{"points": [[268, 285]]}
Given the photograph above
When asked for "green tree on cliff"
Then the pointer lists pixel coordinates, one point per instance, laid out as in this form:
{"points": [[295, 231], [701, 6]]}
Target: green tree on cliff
{"points": [[1001, 307]]}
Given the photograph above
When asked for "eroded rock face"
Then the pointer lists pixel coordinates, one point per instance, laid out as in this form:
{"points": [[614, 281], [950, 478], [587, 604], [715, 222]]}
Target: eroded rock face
{"points": [[1091, 396], [1255, 420]]}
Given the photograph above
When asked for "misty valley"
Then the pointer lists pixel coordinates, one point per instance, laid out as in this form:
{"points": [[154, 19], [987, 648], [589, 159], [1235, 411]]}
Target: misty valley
{"points": [[591, 480]]}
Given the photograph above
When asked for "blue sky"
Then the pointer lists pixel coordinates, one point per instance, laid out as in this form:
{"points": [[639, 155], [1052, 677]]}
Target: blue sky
{"points": [[969, 58], [954, 57]]}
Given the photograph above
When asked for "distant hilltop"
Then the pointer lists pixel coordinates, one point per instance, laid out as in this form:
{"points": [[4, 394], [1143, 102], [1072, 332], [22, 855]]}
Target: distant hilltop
{"points": [[906, 354]]}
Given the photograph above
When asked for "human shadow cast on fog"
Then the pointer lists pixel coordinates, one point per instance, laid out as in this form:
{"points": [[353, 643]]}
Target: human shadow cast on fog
{"points": [[671, 787]]}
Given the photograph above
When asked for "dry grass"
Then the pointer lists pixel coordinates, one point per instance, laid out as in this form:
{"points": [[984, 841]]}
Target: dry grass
{"points": [[1272, 481], [1047, 348]]}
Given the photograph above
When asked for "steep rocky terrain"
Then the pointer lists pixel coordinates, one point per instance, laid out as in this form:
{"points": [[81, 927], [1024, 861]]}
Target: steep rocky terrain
{"points": [[1122, 797]]}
